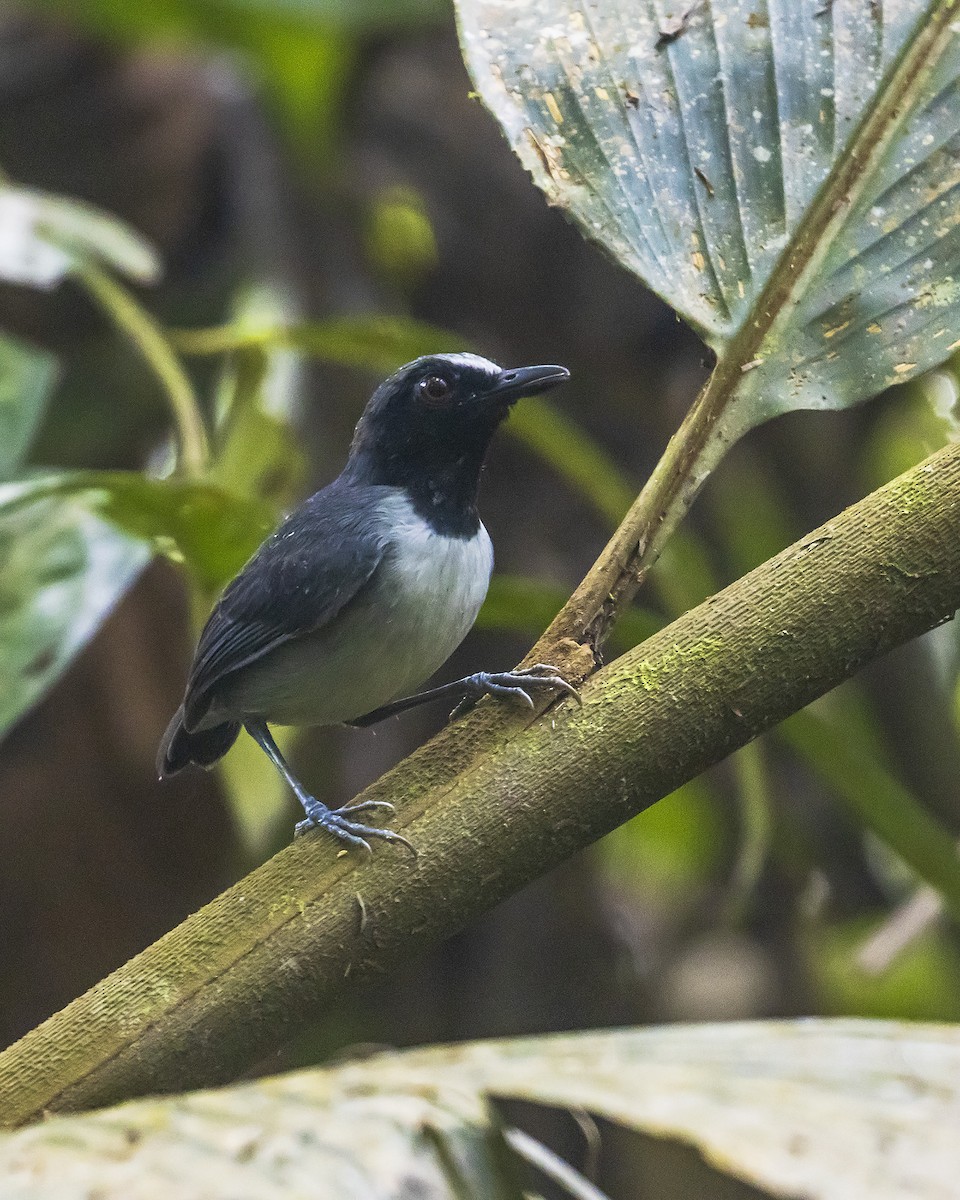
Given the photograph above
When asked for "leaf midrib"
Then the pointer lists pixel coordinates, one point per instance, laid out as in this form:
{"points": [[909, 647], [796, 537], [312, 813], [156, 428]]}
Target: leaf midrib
{"points": [[795, 269]]}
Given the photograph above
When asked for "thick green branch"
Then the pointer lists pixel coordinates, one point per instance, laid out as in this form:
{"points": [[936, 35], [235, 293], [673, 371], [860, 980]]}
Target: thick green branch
{"points": [[491, 807]]}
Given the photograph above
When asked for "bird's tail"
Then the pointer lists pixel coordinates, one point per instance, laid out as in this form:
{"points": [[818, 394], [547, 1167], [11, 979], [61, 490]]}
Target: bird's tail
{"points": [[179, 748]]}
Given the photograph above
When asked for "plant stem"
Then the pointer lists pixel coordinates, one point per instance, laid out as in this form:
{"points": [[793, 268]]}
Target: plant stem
{"points": [[556, 1169], [144, 332], [616, 576]]}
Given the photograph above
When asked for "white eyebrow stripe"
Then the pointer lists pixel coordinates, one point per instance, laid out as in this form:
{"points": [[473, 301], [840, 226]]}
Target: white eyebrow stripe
{"points": [[465, 359]]}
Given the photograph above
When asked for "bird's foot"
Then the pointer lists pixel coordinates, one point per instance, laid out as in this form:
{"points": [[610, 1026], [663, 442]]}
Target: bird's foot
{"points": [[514, 686], [337, 821]]}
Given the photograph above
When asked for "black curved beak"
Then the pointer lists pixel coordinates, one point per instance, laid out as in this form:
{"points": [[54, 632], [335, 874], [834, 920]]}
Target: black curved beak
{"points": [[527, 381]]}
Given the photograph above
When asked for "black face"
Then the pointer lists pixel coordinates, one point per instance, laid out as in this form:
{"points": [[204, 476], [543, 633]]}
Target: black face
{"points": [[427, 429]]}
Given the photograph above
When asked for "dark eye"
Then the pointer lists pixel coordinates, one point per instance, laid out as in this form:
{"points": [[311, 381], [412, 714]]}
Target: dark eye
{"points": [[434, 390]]}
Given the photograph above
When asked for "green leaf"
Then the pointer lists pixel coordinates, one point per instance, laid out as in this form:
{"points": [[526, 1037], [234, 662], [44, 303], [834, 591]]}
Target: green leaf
{"points": [[43, 237], [785, 175], [823, 1109], [63, 566], [212, 531], [62, 570], [260, 459], [376, 342], [26, 379], [258, 456]]}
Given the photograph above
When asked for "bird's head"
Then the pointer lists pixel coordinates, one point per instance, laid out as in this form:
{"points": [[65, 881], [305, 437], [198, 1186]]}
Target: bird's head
{"points": [[427, 427]]}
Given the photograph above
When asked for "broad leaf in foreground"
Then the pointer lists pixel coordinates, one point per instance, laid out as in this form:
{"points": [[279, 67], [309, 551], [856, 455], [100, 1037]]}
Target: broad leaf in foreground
{"points": [[824, 1109], [61, 568], [211, 530]]}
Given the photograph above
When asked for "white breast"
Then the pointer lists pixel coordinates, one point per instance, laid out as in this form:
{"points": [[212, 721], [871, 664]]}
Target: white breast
{"points": [[422, 602], [433, 584]]}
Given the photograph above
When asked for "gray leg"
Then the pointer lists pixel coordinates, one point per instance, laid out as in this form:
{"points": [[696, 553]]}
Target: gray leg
{"points": [[508, 685], [319, 816]]}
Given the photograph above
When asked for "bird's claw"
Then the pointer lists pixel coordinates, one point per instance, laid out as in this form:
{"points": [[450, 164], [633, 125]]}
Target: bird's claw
{"points": [[547, 676], [514, 686], [352, 833], [366, 806]]}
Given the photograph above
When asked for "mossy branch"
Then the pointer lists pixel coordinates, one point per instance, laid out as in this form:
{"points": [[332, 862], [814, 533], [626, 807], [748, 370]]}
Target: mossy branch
{"points": [[494, 801]]}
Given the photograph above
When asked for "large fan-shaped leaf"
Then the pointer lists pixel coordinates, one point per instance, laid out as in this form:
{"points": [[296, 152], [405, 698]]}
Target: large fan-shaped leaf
{"points": [[786, 173], [824, 1109]]}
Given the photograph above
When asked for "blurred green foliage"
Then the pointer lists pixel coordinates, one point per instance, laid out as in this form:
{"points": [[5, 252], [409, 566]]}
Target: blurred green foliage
{"points": [[923, 983], [399, 237], [26, 378], [300, 52], [61, 569], [376, 343]]}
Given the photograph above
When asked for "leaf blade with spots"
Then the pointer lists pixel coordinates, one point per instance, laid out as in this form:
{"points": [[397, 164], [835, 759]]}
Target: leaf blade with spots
{"points": [[786, 175], [699, 159]]}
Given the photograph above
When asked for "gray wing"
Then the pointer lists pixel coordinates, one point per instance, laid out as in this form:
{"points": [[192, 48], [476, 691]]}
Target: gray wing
{"points": [[299, 580]]}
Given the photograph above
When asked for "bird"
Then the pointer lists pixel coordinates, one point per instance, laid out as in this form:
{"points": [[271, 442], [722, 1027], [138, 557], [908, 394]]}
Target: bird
{"points": [[366, 589]]}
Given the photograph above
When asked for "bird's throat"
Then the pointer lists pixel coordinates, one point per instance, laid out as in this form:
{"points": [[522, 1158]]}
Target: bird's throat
{"points": [[443, 493]]}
